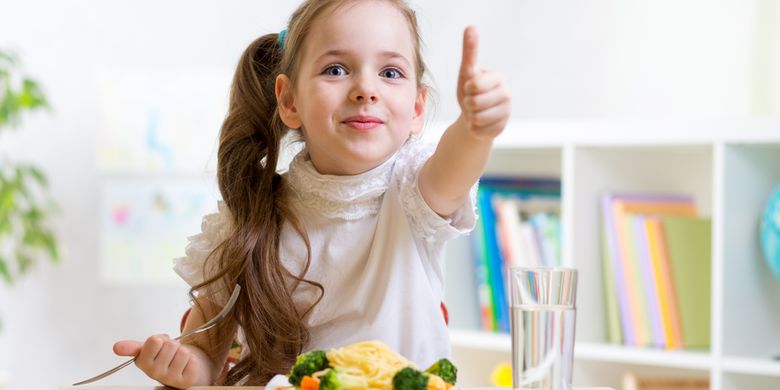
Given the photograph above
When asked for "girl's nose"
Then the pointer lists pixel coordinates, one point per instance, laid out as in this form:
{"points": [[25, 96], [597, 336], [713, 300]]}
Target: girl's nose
{"points": [[363, 92]]}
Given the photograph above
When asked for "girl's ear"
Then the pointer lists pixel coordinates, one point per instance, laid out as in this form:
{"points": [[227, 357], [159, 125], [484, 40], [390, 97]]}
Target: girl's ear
{"points": [[418, 120], [286, 102]]}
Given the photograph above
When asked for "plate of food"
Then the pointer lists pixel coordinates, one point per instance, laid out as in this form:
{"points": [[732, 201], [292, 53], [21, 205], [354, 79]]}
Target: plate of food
{"points": [[363, 366]]}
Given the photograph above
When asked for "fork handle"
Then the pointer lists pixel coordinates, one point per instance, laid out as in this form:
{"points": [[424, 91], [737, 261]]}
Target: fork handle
{"points": [[107, 373]]}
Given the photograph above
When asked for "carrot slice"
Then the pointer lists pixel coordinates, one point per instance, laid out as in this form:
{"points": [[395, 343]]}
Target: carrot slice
{"points": [[309, 383]]}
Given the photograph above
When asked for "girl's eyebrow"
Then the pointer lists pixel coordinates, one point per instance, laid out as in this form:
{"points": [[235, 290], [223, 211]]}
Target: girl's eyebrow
{"points": [[384, 54]]}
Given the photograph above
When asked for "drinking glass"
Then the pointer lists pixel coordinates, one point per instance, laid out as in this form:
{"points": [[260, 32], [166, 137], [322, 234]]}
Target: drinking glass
{"points": [[542, 323]]}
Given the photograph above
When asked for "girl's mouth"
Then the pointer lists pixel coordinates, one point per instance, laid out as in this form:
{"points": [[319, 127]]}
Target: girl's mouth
{"points": [[363, 122]]}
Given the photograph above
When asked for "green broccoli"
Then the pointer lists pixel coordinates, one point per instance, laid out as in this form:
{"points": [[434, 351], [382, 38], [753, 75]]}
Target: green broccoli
{"points": [[410, 379], [334, 379], [445, 370], [306, 365]]}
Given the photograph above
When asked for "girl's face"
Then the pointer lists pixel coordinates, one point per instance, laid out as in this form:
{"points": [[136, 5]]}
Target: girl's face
{"points": [[356, 98]]}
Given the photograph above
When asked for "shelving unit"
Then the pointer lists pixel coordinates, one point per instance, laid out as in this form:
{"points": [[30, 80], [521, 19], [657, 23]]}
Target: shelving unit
{"points": [[730, 166]]}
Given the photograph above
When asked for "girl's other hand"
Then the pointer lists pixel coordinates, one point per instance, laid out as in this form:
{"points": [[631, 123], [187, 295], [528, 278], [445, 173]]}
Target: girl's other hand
{"points": [[162, 359], [483, 96]]}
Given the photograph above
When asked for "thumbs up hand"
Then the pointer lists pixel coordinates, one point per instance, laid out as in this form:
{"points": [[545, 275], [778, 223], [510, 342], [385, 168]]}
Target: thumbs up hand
{"points": [[483, 96]]}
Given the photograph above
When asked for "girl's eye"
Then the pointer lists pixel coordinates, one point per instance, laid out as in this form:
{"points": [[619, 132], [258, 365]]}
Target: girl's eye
{"points": [[391, 73], [335, 70]]}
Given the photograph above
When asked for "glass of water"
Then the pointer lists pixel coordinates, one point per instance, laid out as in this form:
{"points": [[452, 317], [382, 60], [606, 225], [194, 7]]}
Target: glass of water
{"points": [[542, 323]]}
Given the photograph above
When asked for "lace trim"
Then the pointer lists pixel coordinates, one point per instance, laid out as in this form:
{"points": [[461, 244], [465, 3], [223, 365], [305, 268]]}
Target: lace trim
{"points": [[425, 223], [345, 197], [215, 228]]}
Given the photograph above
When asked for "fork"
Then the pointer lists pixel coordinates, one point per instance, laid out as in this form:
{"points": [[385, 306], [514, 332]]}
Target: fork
{"points": [[208, 325]]}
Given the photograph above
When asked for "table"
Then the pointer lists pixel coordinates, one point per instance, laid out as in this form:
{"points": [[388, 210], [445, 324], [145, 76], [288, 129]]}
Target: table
{"points": [[121, 387]]}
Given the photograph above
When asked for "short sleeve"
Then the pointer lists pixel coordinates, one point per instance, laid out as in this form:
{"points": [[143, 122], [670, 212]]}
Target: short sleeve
{"points": [[425, 222], [193, 267]]}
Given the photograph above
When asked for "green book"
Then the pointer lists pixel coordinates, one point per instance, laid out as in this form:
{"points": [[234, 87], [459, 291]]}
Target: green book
{"points": [[688, 241]]}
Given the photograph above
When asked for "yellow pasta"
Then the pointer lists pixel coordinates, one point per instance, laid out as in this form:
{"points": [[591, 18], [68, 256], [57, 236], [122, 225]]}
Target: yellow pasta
{"points": [[371, 362]]}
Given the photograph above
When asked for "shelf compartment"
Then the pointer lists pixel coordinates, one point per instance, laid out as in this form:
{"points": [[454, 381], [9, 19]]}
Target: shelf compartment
{"points": [[750, 292], [681, 169]]}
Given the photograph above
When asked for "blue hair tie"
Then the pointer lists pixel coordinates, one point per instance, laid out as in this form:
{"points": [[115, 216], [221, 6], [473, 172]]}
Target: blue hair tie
{"points": [[281, 38]]}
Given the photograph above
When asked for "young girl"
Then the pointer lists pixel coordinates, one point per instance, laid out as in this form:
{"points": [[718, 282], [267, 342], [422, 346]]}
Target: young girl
{"points": [[345, 246]]}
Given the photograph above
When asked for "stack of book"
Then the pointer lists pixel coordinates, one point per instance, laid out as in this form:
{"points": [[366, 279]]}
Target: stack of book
{"points": [[519, 225], [656, 257]]}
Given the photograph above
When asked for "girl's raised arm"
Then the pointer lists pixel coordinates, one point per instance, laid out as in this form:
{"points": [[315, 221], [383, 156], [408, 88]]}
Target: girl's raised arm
{"points": [[464, 148]]}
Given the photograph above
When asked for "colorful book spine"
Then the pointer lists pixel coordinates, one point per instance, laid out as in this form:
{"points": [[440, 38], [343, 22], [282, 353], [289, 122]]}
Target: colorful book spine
{"points": [[618, 316], [484, 290], [634, 283], [689, 244], [667, 300], [494, 261], [650, 283]]}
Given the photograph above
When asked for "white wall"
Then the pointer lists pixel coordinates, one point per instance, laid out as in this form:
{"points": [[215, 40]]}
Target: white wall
{"points": [[563, 59]]}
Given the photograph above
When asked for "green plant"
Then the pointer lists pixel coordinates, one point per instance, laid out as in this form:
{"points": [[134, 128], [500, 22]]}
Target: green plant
{"points": [[25, 205]]}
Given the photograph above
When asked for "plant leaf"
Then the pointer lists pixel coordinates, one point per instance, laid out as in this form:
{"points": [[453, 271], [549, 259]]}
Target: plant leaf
{"points": [[31, 96], [24, 262], [38, 175], [4, 272]]}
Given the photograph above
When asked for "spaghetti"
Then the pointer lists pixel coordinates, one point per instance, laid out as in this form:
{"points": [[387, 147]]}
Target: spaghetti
{"points": [[370, 362]]}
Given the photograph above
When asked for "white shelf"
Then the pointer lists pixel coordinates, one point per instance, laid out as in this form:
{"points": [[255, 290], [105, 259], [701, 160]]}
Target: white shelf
{"points": [[729, 165], [617, 132], [752, 366], [642, 356], [501, 342]]}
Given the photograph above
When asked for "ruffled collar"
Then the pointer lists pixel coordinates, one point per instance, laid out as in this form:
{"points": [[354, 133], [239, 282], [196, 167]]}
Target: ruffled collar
{"points": [[346, 197]]}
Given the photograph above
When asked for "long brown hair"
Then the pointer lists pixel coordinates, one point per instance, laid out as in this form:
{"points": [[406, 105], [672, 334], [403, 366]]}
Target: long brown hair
{"points": [[256, 195]]}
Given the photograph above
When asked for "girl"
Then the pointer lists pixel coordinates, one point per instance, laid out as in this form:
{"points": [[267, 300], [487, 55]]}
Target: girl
{"points": [[345, 246]]}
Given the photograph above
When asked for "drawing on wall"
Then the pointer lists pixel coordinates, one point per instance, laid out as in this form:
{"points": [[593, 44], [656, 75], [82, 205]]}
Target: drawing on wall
{"points": [[160, 120], [144, 225], [156, 153]]}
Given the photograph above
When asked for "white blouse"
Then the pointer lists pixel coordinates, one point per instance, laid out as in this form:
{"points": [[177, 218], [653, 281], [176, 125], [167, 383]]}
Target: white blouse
{"points": [[377, 250]]}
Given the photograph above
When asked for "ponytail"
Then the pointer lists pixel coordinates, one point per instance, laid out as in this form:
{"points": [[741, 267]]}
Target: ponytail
{"points": [[255, 194]]}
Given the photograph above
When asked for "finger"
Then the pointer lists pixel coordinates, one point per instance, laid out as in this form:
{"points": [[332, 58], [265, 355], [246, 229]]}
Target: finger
{"points": [[191, 370], [152, 347], [127, 347], [482, 101], [179, 362], [468, 61], [483, 83], [490, 116], [166, 354]]}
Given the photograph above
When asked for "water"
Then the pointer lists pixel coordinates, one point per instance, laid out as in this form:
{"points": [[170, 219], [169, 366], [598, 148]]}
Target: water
{"points": [[542, 346]]}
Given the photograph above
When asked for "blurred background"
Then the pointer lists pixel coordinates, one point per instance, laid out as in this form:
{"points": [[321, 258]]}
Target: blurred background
{"points": [[138, 88]]}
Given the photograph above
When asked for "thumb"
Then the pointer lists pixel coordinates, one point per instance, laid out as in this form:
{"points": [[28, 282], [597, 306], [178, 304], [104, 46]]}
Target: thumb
{"points": [[468, 63], [127, 347]]}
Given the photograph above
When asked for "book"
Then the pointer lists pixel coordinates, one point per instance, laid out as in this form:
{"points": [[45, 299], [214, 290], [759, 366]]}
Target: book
{"points": [[492, 261], [626, 305], [667, 298], [484, 293], [689, 245], [649, 279]]}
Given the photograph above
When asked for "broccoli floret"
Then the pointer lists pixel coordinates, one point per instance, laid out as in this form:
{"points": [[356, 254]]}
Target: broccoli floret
{"points": [[307, 364], [409, 379], [334, 379], [445, 370]]}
